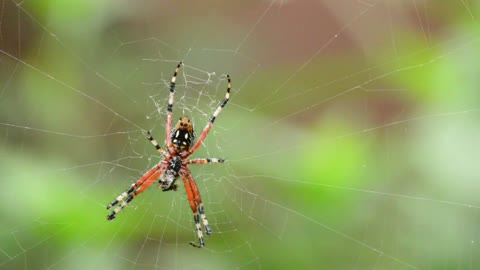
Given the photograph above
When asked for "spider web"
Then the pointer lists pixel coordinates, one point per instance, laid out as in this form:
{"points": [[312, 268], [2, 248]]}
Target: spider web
{"points": [[350, 136]]}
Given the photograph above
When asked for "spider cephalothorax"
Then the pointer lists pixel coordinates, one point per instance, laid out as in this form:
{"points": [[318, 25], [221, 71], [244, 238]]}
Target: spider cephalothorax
{"points": [[168, 178], [178, 142]]}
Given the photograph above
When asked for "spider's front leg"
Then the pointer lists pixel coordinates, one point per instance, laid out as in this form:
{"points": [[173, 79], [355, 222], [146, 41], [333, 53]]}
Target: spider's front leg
{"points": [[200, 205], [196, 205], [208, 230], [136, 188]]}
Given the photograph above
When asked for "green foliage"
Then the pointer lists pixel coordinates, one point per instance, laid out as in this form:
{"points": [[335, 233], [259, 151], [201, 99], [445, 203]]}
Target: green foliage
{"points": [[342, 152]]}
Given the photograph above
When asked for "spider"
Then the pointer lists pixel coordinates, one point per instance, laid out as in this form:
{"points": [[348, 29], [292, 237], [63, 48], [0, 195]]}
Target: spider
{"points": [[178, 142]]}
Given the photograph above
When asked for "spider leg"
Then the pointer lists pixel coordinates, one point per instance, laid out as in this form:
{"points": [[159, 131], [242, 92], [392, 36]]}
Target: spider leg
{"points": [[209, 125], [196, 218], [136, 188], [198, 200], [132, 195], [168, 126], [155, 143], [204, 219], [205, 160], [196, 205]]}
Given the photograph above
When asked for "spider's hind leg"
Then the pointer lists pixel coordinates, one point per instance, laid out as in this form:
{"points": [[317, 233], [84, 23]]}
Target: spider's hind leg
{"points": [[155, 143], [209, 125]]}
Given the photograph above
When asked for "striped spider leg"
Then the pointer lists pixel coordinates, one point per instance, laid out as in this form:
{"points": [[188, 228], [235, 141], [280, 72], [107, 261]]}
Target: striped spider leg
{"points": [[168, 125], [167, 180], [205, 160], [140, 185], [143, 182], [136, 188], [209, 125], [190, 185], [195, 202], [155, 144]]}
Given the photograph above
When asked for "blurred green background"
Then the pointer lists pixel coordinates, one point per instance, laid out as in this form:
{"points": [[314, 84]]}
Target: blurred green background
{"points": [[351, 137]]}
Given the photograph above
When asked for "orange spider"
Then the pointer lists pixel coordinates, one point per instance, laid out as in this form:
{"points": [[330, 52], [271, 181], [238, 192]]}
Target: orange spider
{"points": [[174, 163]]}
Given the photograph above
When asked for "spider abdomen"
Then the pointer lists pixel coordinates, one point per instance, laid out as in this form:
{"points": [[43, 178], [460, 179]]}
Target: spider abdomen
{"points": [[182, 135]]}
